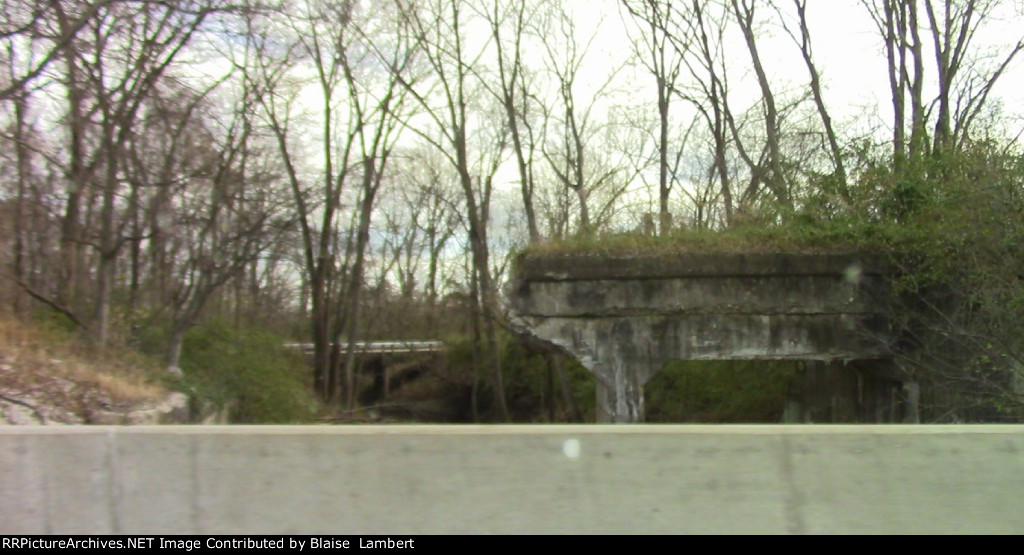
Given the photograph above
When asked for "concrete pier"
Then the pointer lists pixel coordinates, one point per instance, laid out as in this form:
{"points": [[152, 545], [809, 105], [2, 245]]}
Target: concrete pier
{"points": [[624, 317]]}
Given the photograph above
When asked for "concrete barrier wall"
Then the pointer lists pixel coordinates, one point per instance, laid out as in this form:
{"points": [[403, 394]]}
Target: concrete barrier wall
{"points": [[512, 479]]}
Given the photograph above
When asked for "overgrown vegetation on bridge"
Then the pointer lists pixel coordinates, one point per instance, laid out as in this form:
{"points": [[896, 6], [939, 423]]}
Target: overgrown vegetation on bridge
{"points": [[950, 224]]}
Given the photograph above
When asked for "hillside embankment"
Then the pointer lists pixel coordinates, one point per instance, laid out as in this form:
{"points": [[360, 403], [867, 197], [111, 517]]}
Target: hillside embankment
{"points": [[50, 378]]}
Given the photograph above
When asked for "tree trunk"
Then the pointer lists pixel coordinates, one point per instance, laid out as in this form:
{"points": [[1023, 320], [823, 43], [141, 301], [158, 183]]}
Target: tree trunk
{"points": [[478, 242], [22, 153], [70, 245], [665, 217], [174, 349], [775, 179], [819, 101], [918, 132]]}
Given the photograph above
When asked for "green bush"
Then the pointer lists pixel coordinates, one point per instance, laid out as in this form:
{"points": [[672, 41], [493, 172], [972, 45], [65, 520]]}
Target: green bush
{"points": [[250, 372], [54, 323], [963, 290], [534, 390], [719, 391], [952, 223]]}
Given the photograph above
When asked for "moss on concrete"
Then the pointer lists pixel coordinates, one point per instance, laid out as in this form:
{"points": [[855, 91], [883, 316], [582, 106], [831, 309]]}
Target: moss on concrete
{"points": [[811, 237], [799, 247]]}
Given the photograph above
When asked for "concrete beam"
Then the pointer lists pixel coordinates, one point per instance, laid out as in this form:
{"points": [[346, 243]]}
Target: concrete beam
{"points": [[512, 479], [589, 267]]}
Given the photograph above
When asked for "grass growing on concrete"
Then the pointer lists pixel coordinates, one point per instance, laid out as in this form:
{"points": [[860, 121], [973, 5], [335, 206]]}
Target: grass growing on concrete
{"points": [[799, 236]]}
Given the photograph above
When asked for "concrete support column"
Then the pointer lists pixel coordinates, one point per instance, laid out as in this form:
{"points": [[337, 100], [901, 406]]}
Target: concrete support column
{"points": [[619, 405], [837, 392], [912, 414], [620, 391]]}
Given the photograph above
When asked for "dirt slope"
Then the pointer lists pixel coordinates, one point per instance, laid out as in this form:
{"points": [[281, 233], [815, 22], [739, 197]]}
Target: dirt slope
{"points": [[51, 378]]}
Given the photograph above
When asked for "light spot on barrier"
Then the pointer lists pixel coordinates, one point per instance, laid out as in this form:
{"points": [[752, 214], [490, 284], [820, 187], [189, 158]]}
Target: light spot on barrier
{"points": [[571, 448]]}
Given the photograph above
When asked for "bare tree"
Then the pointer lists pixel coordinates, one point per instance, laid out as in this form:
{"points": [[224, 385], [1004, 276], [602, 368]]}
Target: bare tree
{"points": [[20, 135], [444, 94], [953, 31], [897, 23], [802, 37], [965, 73], [768, 169], [377, 104], [427, 217], [357, 57], [663, 61], [700, 40], [572, 121], [112, 69], [515, 94], [230, 213], [44, 30], [29, 180]]}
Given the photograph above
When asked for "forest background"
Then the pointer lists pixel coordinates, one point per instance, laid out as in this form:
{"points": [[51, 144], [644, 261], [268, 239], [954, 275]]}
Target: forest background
{"points": [[205, 180]]}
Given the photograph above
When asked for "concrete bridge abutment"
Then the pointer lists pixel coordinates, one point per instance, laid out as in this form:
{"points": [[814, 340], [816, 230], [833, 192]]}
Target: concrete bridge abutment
{"points": [[624, 317]]}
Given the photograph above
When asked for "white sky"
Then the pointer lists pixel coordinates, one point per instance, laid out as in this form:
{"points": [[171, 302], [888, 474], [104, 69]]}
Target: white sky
{"points": [[847, 50]]}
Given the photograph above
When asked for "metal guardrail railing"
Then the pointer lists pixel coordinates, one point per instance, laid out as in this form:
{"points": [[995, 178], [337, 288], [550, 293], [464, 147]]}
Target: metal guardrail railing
{"points": [[382, 347]]}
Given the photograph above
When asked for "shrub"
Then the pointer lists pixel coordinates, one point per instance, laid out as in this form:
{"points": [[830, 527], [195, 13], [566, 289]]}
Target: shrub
{"points": [[719, 391], [249, 371], [962, 292]]}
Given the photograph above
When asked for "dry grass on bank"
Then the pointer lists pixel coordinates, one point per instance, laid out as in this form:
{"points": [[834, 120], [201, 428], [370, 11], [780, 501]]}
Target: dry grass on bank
{"points": [[62, 376]]}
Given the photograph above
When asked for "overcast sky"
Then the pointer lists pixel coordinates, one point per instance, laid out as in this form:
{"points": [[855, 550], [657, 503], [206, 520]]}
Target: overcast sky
{"points": [[847, 49]]}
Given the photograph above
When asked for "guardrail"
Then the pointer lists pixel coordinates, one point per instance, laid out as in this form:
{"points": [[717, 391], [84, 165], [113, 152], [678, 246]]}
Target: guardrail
{"points": [[511, 479], [382, 347]]}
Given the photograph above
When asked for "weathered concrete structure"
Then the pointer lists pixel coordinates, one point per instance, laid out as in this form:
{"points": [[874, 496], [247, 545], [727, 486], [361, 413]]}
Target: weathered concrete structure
{"points": [[624, 317], [402, 480]]}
